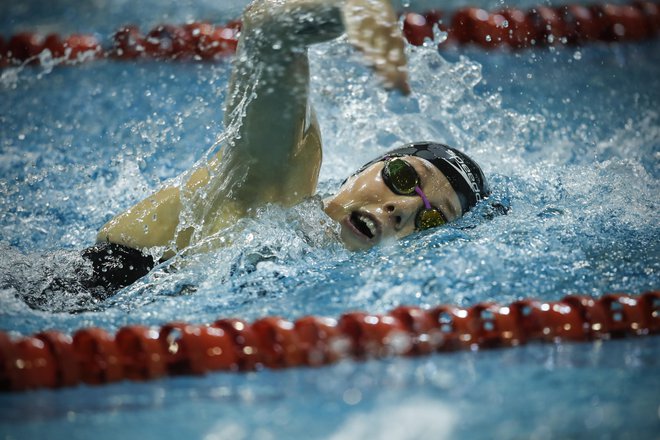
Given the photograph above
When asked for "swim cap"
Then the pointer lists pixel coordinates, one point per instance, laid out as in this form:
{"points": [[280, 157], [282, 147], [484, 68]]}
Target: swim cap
{"points": [[464, 175]]}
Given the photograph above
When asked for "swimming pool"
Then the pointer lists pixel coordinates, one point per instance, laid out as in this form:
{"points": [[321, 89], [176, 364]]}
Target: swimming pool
{"points": [[569, 138]]}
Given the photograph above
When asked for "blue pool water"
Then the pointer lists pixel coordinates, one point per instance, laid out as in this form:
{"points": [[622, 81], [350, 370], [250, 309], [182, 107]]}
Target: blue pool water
{"points": [[569, 138]]}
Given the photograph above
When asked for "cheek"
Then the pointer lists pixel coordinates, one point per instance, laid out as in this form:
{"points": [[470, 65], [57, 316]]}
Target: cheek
{"points": [[358, 192], [333, 208], [343, 197], [347, 195], [406, 231], [338, 205]]}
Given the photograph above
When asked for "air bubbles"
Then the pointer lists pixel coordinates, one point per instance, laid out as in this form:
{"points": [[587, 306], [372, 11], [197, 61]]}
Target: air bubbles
{"points": [[439, 36]]}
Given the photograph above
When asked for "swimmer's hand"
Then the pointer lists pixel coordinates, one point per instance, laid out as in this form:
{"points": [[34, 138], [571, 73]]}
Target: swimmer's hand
{"points": [[372, 27]]}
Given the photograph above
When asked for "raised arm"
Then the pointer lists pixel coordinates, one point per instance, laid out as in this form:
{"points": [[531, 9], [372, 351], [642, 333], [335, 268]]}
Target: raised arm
{"points": [[273, 147], [271, 150], [272, 132]]}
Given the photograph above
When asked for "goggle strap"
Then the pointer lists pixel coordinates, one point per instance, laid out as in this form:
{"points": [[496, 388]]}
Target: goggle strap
{"points": [[419, 192]]}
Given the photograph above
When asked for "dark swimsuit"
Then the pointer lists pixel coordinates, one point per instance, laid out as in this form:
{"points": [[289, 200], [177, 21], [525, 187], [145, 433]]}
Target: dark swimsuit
{"points": [[116, 266], [96, 274]]}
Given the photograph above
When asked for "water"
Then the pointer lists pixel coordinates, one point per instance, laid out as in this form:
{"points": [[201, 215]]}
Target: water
{"points": [[569, 138]]}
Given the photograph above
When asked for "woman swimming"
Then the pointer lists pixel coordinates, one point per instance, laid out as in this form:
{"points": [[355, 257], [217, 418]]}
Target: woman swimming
{"points": [[272, 149]]}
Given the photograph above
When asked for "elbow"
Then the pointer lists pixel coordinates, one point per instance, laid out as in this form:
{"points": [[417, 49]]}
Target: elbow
{"points": [[294, 22], [261, 14]]}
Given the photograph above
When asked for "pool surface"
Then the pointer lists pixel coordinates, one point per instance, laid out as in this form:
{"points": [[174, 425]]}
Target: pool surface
{"points": [[570, 141]]}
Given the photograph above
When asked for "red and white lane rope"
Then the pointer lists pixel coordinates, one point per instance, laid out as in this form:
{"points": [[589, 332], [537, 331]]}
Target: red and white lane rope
{"points": [[52, 359], [510, 27], [540, 26]]}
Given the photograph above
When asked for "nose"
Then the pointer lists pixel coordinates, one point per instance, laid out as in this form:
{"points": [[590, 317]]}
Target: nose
{"points": [[399, 212]]}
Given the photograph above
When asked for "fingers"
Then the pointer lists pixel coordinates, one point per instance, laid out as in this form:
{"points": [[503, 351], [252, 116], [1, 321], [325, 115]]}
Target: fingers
{"points": [[372, 27]]}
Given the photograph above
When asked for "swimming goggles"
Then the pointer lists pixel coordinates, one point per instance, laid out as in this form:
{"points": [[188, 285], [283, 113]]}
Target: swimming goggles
{"points": [[402, 179]]}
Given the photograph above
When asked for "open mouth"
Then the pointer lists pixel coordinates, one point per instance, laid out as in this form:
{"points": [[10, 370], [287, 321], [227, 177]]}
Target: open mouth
{"points": [[364, 224]]}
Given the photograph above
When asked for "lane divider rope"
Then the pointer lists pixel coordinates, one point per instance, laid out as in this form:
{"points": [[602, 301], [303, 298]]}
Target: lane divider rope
{"points": [[539, 26], [52, 359]]}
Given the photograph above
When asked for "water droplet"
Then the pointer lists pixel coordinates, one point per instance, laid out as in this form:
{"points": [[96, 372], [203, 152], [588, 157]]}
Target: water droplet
{"points": [[352, 396]]}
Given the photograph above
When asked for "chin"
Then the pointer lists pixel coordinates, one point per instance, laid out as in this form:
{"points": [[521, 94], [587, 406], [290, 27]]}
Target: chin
{"points": [[353, 244]]}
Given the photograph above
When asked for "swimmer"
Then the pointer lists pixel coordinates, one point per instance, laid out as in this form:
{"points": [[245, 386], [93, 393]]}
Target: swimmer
{"points": [[272, 152]]}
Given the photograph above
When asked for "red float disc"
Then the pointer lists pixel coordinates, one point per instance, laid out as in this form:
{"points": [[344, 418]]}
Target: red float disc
{"points": [[245, 342], [580, 24], [478, 26], [169, 41], [625, 23], [39, 369], [651, 305], [128, 43], [547, 25], [97, 355], [142, 353], [80, 47], [375, 335], [450, 327], [320, 340], [416, 28], [651, 12], [519, 32], [8, 378], [461, 24], [55, 45], [492, 325], [278, 342], [24, 46], [420, 327], [624, 314], [3, 49], [218, 350], [61, 346], [194, 349]]}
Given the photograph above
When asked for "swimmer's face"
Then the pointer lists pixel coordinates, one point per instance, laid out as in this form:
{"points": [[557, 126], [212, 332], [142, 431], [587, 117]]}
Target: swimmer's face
{"points": [[369, 212]]}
